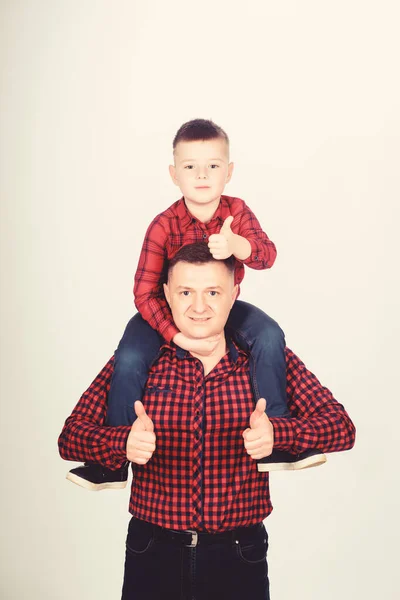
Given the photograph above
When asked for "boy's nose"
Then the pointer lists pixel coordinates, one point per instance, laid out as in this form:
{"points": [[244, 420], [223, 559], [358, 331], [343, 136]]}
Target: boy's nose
{"points": [[202, 173]]}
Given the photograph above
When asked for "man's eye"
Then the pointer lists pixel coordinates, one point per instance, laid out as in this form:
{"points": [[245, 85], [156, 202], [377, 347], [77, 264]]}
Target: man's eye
{"points": [[185, 293], [213, 293]]}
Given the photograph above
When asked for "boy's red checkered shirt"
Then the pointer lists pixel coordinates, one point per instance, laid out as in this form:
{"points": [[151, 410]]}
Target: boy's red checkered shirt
{"points": [[200, 476], [177, 227]]}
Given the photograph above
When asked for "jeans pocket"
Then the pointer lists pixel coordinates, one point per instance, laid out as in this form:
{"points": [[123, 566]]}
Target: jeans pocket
{"points": [[253, 551], [140, 537]]}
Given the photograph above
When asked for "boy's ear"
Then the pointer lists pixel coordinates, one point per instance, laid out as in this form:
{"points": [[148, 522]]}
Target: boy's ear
{"points": [[166, 293], [230, 171], [172, 172]]}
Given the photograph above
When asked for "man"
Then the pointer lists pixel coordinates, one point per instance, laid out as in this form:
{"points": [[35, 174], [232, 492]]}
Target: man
{"points": [[198, 499]]}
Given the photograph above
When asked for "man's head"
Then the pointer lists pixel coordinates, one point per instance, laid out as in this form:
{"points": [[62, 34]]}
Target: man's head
{"points": [[201, 166], [200, 291]]}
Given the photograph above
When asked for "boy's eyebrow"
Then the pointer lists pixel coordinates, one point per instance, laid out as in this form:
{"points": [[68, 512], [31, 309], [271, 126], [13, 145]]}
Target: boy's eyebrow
{"points": [[193, 159]]}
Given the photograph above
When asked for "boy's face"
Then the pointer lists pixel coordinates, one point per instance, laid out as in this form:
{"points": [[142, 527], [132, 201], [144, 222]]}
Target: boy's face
{"points": [[201, 170]]}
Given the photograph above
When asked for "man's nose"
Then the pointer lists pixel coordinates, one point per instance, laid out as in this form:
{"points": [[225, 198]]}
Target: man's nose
{"points": [[199, 305]]}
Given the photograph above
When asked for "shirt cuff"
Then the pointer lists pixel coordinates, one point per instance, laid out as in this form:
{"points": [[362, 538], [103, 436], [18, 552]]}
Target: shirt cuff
{"points": [[254, 254], [284, 435], [116, 439], [169, 332]]}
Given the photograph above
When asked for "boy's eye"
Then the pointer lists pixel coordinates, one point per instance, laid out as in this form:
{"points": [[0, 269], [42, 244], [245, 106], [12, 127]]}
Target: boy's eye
{"points": [[214, 166], [189, 167]]}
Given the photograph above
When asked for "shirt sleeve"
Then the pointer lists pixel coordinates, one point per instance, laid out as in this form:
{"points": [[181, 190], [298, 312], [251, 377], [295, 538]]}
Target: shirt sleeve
{"points": [[263, 251], [148, 291], [318, 420], [84, 437]]}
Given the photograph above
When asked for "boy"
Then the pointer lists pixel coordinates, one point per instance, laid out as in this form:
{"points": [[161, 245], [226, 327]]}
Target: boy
{"points": [[201, 170]]}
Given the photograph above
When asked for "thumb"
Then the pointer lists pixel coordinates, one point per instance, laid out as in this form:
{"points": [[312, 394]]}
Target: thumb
{"points": [[143, 416], [227, 224], [258, 412]]}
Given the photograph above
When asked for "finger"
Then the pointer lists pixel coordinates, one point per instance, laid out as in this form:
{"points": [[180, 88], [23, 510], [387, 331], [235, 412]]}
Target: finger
{"points": [[227, 223], [143, 416], [143, 445], [253, 444], [258, 412], [143, 454], [214, 237], [252, 435]]}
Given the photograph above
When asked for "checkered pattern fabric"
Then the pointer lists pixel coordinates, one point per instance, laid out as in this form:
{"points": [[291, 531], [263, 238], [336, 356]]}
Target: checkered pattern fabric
{"points": [[177, 227], [200, 476]]}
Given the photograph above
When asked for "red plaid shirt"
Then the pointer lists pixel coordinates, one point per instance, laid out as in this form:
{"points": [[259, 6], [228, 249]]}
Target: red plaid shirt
{"points": [[200, 476], [177, 227]]}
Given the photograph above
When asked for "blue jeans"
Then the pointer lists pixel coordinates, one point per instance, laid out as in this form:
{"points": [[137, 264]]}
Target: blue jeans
{"points": [[253, 330], [233, 569]]}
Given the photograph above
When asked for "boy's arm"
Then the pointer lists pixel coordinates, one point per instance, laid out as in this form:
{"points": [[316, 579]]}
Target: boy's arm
{"points": [[148, 291], [242, 236], [318, 420], [262, 249], [84, 437]]}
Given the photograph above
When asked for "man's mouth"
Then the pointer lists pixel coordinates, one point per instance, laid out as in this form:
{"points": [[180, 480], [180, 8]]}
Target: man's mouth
{"points": [[199, 320]]}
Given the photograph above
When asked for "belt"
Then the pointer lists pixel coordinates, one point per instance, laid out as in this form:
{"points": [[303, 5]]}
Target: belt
{"points": [[191, 538]]}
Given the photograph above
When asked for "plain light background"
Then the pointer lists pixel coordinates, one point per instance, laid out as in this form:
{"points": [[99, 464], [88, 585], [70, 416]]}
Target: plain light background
{"points": [[92, 93]]}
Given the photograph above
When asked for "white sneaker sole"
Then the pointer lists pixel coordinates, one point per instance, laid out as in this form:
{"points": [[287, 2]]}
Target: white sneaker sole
{"points": [[306, 463], [96, 487]]}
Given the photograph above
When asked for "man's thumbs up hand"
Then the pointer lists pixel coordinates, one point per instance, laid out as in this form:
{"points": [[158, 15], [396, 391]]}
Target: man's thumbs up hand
{"points": [[259, 437], [221, 245], [142, 440]]}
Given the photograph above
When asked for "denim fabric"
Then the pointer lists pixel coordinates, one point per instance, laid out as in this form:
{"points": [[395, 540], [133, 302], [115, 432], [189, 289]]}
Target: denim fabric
{"points": [[136, 352], [262, 337], [253, 330], [159, 569]]}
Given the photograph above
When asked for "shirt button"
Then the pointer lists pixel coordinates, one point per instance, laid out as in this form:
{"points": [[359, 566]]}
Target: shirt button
{"points": [[197, 436], [204, 236], [256, 258], [197, 412]]}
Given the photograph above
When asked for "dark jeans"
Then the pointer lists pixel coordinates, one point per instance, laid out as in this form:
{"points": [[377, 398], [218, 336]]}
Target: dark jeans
{"points": [[163, 569], [254, 331]]}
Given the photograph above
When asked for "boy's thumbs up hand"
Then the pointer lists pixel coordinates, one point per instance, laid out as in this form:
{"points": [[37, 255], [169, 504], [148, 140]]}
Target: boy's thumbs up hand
{"points": [[221, 245], [259, 437], [141, 442]]}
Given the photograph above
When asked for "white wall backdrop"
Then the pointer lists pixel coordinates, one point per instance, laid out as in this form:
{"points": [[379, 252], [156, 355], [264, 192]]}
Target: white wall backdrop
{"points": [[92, 93]]}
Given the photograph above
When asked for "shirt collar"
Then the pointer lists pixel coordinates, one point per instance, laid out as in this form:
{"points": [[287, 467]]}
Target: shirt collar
{"points": [[185, 217]]}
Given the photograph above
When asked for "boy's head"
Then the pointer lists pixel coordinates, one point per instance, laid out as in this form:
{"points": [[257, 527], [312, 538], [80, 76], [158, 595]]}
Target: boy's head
{"points": [[201, 166]]}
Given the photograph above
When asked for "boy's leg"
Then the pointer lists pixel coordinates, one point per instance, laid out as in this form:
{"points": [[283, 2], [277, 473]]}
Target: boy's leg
{"points": [[256, 332], [133, 358]]}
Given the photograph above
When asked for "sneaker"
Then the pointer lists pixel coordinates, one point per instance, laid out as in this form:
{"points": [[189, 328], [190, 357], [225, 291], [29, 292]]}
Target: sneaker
{"points": [[94, 477], [284, 461]]}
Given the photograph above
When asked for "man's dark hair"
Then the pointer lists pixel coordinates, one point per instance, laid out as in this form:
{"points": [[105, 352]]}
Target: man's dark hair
{"points": [[199, 254], [199, 129]]}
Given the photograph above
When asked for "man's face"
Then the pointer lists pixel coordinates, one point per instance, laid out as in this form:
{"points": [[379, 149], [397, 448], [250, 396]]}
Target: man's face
{"points": [[200, 297], [201, 170]]}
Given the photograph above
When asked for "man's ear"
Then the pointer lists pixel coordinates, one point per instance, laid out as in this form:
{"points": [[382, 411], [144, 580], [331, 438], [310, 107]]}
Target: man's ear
{"points": [[172, 172], [235, 292], [166, 293]]}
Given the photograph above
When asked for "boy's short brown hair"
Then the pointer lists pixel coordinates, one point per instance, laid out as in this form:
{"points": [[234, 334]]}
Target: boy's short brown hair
{"points": [[199, 129]]}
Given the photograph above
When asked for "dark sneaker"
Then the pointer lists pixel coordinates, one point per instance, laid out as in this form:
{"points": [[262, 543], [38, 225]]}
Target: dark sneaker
{"points": [[284, 461], [94, 477]]}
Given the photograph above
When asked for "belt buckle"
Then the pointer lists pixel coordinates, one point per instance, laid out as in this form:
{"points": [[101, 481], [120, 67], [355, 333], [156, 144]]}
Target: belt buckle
{"points": [[195, 539]]}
